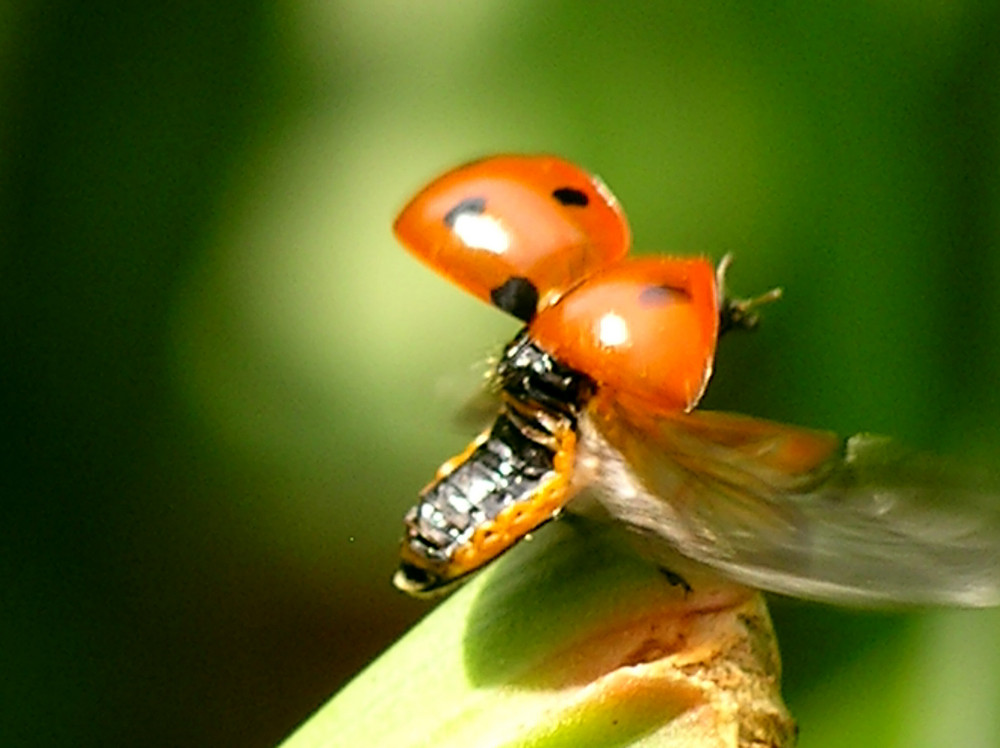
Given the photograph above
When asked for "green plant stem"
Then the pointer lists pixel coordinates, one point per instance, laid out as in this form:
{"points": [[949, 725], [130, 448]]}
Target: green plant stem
{"points": [[570, 641]]}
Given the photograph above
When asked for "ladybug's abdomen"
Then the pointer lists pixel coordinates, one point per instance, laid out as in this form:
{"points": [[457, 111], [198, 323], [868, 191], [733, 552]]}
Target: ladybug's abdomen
{"points": [[512, 479], [506, 470]]}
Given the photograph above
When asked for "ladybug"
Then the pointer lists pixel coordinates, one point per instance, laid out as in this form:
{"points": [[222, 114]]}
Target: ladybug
{"points": [[598, 391]]}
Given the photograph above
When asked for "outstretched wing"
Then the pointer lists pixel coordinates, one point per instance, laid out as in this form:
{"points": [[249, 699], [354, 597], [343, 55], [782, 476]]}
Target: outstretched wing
{"points": [[799, 512]]}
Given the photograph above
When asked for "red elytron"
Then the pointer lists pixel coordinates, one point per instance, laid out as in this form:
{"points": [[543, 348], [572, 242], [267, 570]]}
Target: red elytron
{"points": [[598, 391]]}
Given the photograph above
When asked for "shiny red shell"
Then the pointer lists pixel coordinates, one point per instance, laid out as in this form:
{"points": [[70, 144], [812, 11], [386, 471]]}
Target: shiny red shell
{"points": [[644, 330], [516, 231], [545, 241]]}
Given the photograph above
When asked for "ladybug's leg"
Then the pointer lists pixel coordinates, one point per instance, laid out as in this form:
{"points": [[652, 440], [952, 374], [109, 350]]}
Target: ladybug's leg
{"points": [[739, 314]]}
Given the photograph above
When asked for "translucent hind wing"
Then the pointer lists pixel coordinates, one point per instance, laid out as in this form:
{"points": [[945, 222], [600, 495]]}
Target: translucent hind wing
{"points": [[800, 512]]}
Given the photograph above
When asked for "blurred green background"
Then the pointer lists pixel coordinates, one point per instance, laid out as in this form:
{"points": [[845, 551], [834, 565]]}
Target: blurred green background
{"points": [[224, 383]]}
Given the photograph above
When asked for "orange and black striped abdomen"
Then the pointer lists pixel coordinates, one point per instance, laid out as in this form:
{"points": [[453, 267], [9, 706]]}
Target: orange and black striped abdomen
{"points": [[507, 483]]}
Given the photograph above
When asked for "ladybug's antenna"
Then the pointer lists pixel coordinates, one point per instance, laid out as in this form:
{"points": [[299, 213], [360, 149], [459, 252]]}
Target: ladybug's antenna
{"points": [[739, 314]]}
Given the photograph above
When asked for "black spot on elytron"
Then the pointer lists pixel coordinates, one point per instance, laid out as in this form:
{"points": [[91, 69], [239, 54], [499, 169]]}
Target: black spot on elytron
{"points": [[663, 294], [517, 296], [571, 196], [474, 205]]}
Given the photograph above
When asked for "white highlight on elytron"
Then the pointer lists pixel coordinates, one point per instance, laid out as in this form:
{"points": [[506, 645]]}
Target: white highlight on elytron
{"points": [[612, 330], [481, 231]]}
